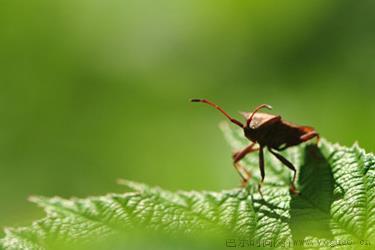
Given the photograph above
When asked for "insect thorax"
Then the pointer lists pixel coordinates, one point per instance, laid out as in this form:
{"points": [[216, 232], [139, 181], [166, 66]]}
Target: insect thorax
{"points": [[250, 134]]}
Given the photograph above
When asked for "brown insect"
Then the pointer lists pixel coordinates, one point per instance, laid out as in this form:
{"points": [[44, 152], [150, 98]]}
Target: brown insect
{"points": [[268, 131]]}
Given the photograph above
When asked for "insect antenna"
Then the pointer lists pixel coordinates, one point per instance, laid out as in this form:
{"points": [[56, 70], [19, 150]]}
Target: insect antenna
{"points": [[238, 123], [256, 110]]}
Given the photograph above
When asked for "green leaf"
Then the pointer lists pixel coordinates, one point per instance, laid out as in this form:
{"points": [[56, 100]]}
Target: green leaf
{"points": [[336, 206]]}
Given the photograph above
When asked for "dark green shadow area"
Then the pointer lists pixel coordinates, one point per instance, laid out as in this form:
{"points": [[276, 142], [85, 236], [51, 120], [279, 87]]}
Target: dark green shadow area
{"points": [[310, 211], [269, 209]]}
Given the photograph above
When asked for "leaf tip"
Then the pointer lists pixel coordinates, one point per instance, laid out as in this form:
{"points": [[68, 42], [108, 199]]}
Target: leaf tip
{"points": [[39, 200], [34, 198], [122, 182], [356, 145], [136, 186], [223, 125]]}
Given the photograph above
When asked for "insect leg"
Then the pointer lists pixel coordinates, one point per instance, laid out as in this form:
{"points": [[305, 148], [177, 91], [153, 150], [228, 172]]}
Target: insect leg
{"points": [[261, 167], [244, 173], [309, 136], [290, 166]]}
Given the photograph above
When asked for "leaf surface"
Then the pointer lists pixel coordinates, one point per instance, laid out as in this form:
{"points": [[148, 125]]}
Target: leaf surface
{"points": [[336, 204]]}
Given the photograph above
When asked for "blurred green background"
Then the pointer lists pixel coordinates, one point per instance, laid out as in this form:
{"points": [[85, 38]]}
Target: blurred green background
{"points": [[92, 91]]}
